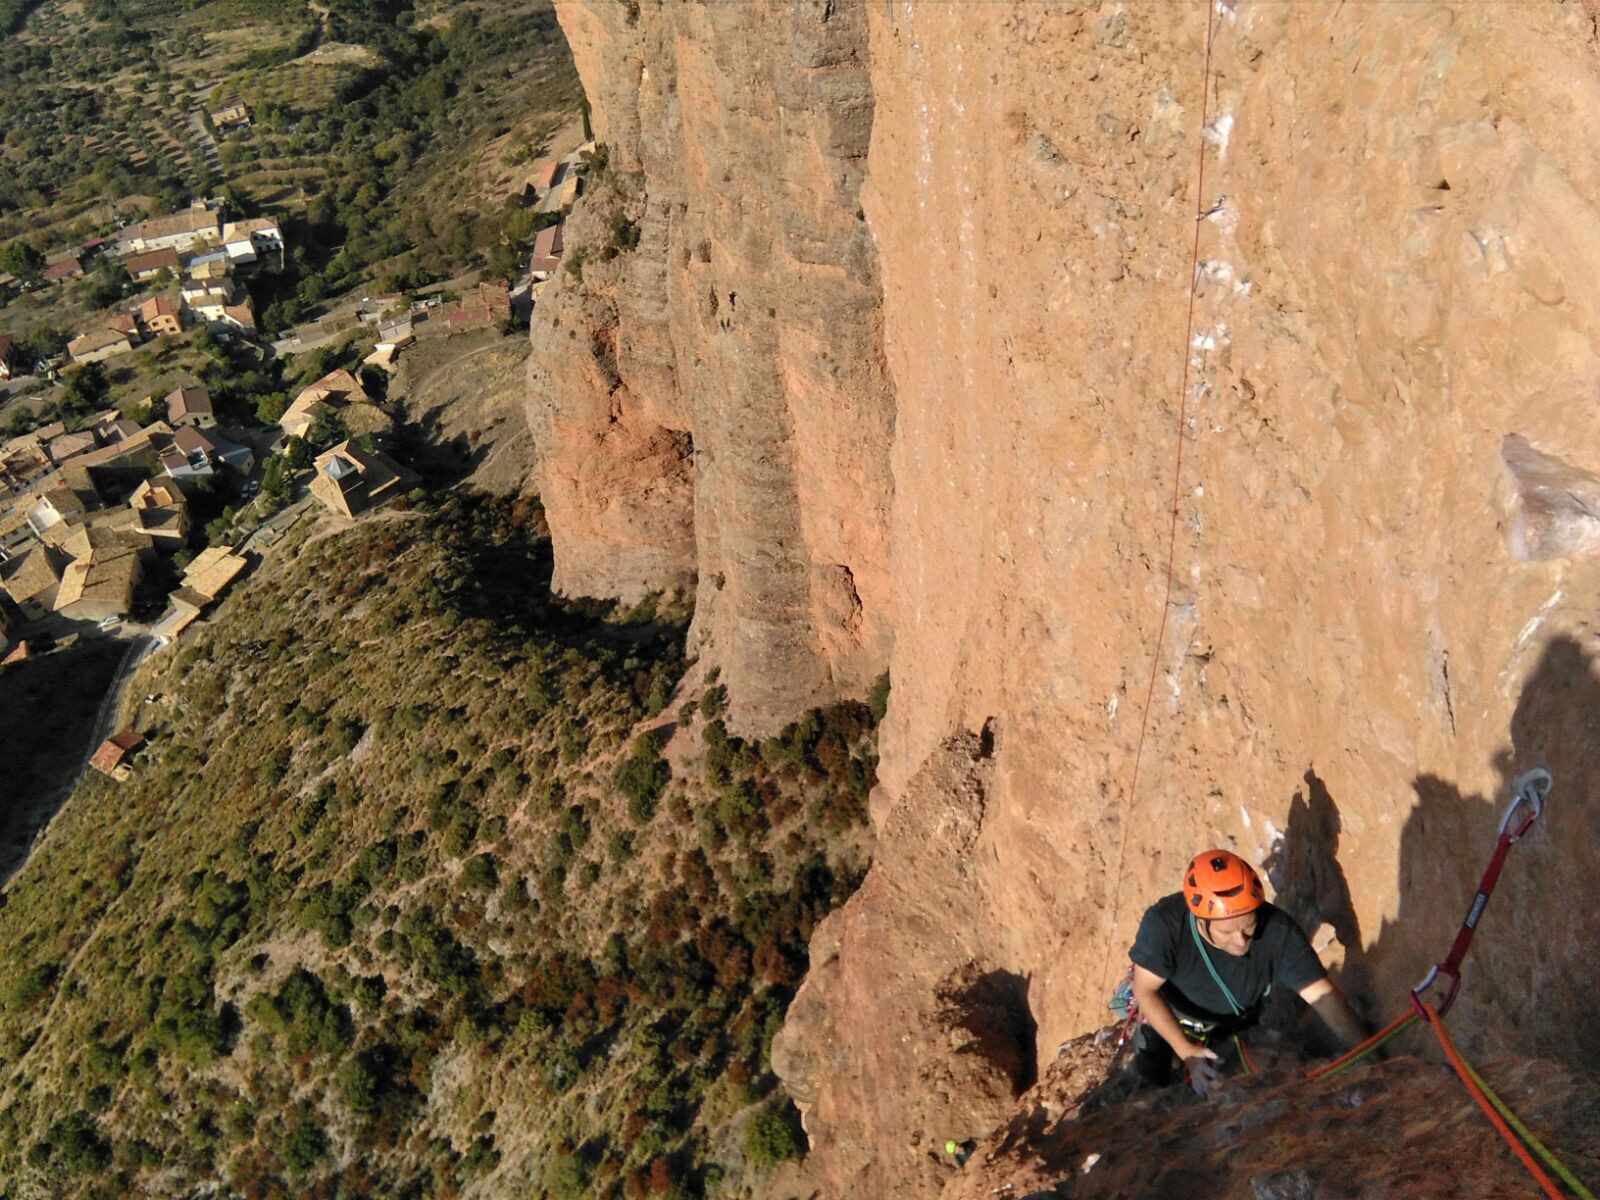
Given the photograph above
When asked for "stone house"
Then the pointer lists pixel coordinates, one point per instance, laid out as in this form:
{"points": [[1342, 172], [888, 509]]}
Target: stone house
{"points": [[341, 392], [33, 581], [199, 224], [160, 511], [546, 252], [161, 315], [67, 445], [350, 480], [190, 406], [142, 268], [62, 269], [114, 756], [98, 345], [207, 577], [106, 567]]}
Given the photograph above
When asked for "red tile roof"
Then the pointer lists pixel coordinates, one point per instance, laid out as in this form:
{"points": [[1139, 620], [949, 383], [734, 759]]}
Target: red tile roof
{"points": [[115, 751]]}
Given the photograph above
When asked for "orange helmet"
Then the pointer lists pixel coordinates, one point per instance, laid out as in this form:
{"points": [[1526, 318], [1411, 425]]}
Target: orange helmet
{"points": [[1218, 884]]}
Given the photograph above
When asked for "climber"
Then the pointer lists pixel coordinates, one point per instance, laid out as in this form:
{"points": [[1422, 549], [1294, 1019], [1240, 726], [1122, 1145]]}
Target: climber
{"points": [[1204, 960]]}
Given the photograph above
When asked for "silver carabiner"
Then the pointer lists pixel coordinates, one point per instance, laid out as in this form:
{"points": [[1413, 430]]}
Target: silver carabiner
{"points": [[1531, 788]]}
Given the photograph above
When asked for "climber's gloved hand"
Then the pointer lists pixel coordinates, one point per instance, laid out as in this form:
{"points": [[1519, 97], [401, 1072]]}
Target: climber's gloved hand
{"points": [[1205, 1071]]}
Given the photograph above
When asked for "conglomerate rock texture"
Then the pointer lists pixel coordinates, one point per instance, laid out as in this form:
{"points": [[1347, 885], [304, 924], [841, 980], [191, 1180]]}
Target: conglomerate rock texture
{"points": [[713, 405], [947, 435], [1398, 1130]]}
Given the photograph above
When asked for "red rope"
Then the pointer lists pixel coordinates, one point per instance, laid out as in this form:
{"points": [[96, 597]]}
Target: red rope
{"points": [[1511, 1140], [1355, 1052], [1177, 488]]}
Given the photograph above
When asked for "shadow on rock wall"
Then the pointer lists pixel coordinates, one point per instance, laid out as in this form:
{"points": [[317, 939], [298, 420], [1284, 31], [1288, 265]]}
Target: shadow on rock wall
{"points": [[1527, 981]]}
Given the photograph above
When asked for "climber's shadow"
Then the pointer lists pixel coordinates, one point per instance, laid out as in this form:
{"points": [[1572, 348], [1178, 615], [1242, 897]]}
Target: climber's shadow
{"points": [[1526, 982], [1303, 868]]}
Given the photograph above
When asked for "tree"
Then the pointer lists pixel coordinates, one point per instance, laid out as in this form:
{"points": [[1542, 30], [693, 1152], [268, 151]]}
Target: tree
{"points": [[770, 1139], [297, 454], [87, 387], [23, 261], [306, 1143], [327, 428], [641, 777], [878, 698], [274, 485], [271, 406], [565, 1177]]}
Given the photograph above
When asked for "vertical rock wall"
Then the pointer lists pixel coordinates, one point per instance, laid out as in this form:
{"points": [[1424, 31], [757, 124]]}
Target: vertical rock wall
{"points": [[713, 405], [1381, 608]]}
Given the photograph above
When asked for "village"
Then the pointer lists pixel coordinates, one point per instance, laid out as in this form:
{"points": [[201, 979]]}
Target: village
{"points": [[133, 521]]}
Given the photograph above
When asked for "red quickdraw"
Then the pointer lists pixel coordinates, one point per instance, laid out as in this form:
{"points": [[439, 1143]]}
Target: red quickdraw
{"points": [[1529, 789]]}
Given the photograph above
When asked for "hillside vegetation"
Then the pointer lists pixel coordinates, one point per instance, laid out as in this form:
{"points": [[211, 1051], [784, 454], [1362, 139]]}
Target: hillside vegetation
{"points": [[404, 899]]}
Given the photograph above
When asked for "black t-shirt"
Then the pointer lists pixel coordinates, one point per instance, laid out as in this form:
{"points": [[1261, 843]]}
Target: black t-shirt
{"points": [[1279, 953]]}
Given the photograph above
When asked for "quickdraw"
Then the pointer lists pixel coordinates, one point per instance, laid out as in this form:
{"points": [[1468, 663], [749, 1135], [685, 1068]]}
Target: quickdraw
{"points": [[1530, 789]]}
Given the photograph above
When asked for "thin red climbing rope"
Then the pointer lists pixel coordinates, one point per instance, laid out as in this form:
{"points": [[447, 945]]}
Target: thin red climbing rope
{"points": [[1177, 488]]}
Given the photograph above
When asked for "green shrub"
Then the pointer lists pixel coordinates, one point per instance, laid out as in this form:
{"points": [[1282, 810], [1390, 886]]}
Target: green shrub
{"points": [[78, 1145], [770, 1139], [878, 698], [620, 846], [358, 1085], [514, 895], [479, 874], [641, 777], [302, 1012], [714, 703], [566, 1178], [461, 836], [306, 1144], [27, 987]]}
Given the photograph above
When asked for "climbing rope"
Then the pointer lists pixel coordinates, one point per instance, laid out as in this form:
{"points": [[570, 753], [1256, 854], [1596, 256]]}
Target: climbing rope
{"points": [[1355, 1055], [1244, 1056], [1523, 1132], [1177, 487], [1497, 1113]]}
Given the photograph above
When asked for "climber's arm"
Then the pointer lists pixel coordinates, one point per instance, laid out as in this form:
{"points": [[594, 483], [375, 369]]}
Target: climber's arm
{"points": [[1329, 1003], [1147, 993]]}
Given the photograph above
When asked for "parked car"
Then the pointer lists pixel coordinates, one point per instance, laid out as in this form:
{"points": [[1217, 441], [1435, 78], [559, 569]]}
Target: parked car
{"points": [[108, 622]]}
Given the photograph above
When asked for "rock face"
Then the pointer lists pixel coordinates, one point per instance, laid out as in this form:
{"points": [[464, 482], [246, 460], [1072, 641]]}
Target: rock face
{"points": [[961, 1047], [1380, 606], [712, 405], [1403, 1129]]}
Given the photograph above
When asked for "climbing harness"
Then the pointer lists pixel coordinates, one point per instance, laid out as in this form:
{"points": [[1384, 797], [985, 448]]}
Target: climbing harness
{"points": [[1529, 790]]}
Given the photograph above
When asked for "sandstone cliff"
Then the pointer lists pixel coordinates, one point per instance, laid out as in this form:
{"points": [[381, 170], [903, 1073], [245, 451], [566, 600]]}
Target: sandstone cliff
{"points": [[1382, 604], [712, 405]]}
